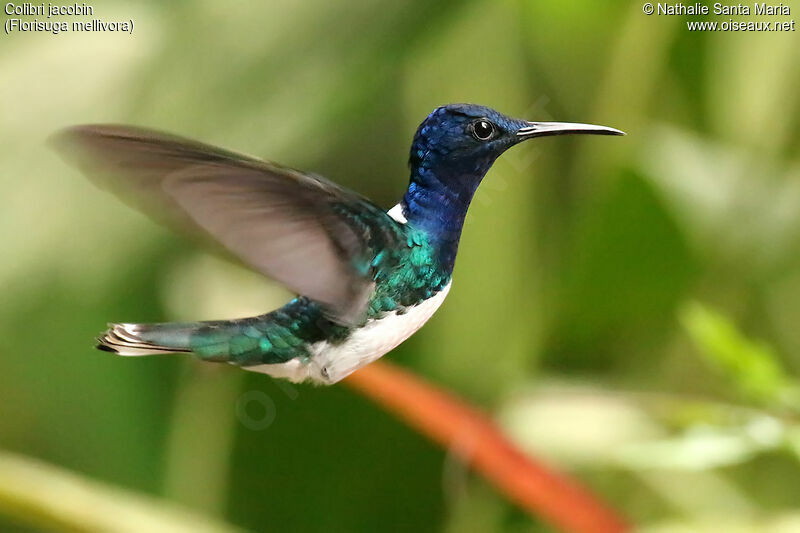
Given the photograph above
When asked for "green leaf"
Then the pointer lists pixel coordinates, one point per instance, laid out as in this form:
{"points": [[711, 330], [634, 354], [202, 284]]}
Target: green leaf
{"points": [[751, 366], [42, 495]]}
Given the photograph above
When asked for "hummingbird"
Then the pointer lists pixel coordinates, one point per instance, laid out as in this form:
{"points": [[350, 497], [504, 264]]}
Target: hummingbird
{"points": [[366, 278]]}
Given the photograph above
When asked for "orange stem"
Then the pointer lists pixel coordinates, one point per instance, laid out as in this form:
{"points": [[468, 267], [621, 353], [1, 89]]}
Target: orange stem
{"points": [[450, 421]]}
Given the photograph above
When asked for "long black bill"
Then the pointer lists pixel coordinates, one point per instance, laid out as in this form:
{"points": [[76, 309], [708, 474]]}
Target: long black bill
{"points": [[544, 129]]}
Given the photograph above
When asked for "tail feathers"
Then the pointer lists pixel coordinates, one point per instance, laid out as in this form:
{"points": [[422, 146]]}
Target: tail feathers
{"points": [[145, 339]]}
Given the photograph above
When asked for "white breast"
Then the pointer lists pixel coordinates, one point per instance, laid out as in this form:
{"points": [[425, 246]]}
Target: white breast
{"points": [[330, 363]]}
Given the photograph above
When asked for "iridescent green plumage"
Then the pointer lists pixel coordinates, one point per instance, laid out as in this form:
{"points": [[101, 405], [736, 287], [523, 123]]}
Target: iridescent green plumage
{"points": [[404, 276]]}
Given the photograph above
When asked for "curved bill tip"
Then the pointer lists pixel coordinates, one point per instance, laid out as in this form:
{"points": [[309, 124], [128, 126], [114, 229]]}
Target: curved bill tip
{"points": [[543, 129]]}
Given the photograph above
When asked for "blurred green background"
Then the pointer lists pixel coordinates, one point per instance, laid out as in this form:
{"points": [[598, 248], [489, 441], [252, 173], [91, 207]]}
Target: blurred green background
{"points": [[627, 308]]}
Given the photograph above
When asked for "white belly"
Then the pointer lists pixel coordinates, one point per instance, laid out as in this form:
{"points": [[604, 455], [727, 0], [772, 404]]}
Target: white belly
{"points": [[330, 363]]}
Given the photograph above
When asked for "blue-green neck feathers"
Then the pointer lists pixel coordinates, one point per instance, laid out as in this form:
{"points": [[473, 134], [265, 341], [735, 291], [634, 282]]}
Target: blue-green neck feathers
{"points": [[448, 161]]}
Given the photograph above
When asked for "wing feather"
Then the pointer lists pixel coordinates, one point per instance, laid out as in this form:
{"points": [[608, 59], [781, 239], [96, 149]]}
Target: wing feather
{"points": [[300, 229]]}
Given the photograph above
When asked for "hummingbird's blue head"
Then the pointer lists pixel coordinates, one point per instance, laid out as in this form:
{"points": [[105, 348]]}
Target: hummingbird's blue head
{"points": [[459, 142], [453, 149]]}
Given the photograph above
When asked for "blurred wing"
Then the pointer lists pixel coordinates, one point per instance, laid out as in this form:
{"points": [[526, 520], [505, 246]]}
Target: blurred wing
{"points": [[304, 231]]}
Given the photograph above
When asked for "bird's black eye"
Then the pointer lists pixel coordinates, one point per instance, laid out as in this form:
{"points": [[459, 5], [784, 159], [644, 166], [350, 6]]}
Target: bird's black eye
{"points": [[483, 130]]}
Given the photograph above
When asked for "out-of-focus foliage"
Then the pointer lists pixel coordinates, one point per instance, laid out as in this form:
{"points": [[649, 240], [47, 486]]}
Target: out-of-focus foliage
{"points": [[628, 307], [54, 499], [752, 367]]}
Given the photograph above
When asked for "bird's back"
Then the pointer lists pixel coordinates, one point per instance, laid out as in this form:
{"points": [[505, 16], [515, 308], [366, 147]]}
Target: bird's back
{"points": [[299, 341]]}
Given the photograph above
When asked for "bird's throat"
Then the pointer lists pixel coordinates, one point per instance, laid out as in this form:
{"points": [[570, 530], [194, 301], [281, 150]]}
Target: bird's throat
{"points": [[439, 207]]}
